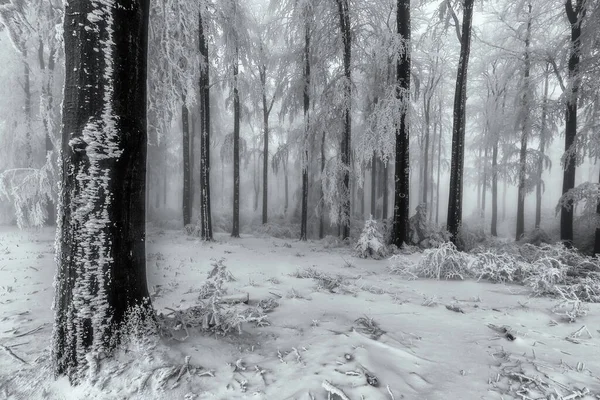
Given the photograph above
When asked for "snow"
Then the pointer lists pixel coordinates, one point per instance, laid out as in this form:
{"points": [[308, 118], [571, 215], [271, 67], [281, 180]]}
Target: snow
{"points": [[420, 350]]}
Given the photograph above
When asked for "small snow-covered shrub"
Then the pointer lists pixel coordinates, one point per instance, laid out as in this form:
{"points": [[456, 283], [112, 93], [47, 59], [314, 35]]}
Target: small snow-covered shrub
{"points": [[403, 267], [536, 237], [446, 262], [324, 281], [498, 267], [218, 275], [371, 243], [282, 230]]}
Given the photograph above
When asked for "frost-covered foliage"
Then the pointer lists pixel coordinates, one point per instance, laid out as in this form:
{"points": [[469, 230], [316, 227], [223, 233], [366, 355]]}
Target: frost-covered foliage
{"points": [[446, 262], [587, 192], [213, 314], [29, 190], [370, 243], [422, 233]]}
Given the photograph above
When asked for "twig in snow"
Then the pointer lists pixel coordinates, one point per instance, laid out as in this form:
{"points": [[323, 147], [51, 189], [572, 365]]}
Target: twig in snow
{"points": [[334, 390], [455, 309], [31, 331], [277, 295], [390, 392], [13, 355]]}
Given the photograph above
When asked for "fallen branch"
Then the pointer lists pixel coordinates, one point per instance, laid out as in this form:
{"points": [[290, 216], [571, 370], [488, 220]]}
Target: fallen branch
{"points": [[334, 390], [13, 355], [455, 309], [31, 331]]}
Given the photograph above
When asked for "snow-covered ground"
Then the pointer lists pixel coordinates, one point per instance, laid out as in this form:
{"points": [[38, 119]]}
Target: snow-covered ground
{"points": [[408, 340]]}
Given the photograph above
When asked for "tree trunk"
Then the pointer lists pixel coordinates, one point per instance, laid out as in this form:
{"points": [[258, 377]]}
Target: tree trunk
{"points": [[205, 208], [522, 190], [28, 116], [540, 164], [266, 110], [235, 231], [192, 162], [484, 183], [344, 16], [479, 181], [47, 101], [597, 241], [386, 192], [427, 106], [439, 168], [102, 263], [187, 199], [495, 189], [322, 213], [402, 167], [458, 128], [306, 103], [374, 186], [575, 17]]}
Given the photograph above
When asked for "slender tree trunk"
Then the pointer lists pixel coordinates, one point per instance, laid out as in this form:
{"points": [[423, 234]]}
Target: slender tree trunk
{"points": [[427, 104], [374, 186], [479, 182], [322, 213], [597, 241], [28, 116], [439, 167], [192, 163], [484, 183], [187, 199], [344, 17], [235, 231], [101, 256], [206, 231], [504, 190], [495, 188], [540, 164], [458, 128], [575, 17], [47, 100], [524, 136], [266, 110], [306, 100], [402, 167], [430, 178], [386, 192]]}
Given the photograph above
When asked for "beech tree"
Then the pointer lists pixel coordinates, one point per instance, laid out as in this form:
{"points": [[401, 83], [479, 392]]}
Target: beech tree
{"points": [[101, 274], [458, 126]]}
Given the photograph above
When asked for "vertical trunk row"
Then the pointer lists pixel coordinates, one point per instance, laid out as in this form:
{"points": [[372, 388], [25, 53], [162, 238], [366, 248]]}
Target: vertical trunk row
{"points": [[575, 17], [374, 186], [322, 213], [458, 127], [402, 167], [439, 167], [526, 128], [204, 83], [495, 187], [263, 81]]}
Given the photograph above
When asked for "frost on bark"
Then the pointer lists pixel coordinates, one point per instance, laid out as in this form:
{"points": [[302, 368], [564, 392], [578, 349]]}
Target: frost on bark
{"points": [[204, 83], [402, 168], [344, 15], [575, 16], [458, 127], [306, 105], [235, 231], [526, 132], [597, 239], [101, 233]]}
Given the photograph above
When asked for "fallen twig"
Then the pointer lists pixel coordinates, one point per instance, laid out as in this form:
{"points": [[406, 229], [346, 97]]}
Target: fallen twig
{"points": [[31, 331], [334, 390], [13, 355], [455, 309]]}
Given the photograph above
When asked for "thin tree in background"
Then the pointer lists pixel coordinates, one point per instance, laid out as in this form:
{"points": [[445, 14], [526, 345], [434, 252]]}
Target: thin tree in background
{"points": [[542, 150], [306, 109], [526, 131], [101, 235], [597, 239], [575, 17], [187, 193], [235, 230], [458, 127], [205, 208], [402, 167]]}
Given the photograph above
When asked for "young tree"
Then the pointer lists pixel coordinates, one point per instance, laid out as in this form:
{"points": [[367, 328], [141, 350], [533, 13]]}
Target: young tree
{"points": [[101, 256], [402, 168], [458, 126]]}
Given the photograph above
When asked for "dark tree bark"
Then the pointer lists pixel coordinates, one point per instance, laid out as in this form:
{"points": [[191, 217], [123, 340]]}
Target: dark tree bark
{"points": [[484, 182], [458, 128], [439, 167], [101, 260], [526, 131], [192, 161], [426, 108], [306, 104], [540, 163], [266, 112], [28, 127], [322, 213], [344, 15], [402, 167], [187, 198], [597, 241], [374, 186], [235, 230], [495, 189], [575, 17], [386, 191], [205, 208]]}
